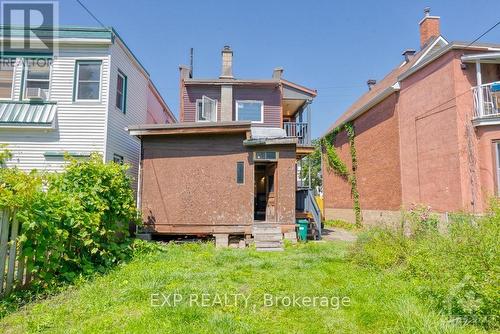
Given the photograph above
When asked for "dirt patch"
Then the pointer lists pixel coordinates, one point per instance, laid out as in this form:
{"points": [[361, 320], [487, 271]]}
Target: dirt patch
{"points": [[335, 233]]}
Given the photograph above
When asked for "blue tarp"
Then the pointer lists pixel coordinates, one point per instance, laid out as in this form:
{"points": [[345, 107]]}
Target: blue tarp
{"points": [[495, 87]]}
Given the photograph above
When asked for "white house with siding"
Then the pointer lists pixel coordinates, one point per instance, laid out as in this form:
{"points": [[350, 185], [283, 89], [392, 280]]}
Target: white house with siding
{"points": [[77, 101]]}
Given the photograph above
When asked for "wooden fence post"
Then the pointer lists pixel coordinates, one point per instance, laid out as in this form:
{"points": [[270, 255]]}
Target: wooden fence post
{"points": [[4, 237], [12, 254]]}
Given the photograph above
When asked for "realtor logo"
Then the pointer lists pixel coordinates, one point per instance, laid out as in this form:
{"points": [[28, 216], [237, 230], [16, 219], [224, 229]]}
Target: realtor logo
{"points": [[28, 27]]}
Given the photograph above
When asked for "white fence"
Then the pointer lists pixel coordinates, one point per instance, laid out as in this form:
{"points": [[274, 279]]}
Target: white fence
{"points": [[12, 268], [486, 102]]}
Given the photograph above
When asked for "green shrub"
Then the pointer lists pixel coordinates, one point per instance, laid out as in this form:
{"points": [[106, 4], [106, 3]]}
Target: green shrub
{"points": [[72, 223], [419, 220], [380, 248], [342, 224], [5, 154], [457, 272]]}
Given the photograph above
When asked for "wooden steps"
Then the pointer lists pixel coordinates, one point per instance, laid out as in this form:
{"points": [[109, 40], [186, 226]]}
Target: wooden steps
{"points": [[268, 237]]}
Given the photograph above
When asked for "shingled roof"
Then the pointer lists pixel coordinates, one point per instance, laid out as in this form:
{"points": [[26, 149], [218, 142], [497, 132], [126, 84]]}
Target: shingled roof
{"points": [[383, 85], [435, 48]]}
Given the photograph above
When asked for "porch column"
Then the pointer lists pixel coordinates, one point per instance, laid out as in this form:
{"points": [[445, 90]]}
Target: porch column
{"points": [[480, 98], [309, 129]]}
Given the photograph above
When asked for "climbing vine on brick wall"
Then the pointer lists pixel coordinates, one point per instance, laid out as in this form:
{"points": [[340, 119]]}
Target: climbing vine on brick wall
{"points": [[336, 164]]}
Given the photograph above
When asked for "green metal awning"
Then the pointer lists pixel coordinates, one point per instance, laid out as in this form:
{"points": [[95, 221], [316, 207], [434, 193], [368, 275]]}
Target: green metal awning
{"points": [[23, 114]]}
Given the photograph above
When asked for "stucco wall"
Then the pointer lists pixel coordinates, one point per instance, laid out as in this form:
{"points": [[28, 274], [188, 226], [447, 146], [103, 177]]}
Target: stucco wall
{"points": [[189, 184]]}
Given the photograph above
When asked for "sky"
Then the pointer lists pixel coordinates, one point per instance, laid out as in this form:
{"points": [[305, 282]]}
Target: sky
{"points": [[332, 46]]}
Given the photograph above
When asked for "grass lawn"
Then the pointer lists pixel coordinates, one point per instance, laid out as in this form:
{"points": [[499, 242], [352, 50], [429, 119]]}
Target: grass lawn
{"points": [[121, 301]]}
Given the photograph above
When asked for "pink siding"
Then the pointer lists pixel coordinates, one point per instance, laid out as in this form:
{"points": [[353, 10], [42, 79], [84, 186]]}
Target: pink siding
{"points": [[156, 111], [189, 96], [270, 95], [272, 102]]}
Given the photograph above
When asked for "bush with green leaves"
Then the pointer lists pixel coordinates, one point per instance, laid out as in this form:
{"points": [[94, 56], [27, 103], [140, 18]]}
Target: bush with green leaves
{"points": [[72, 223], [458, 272]]}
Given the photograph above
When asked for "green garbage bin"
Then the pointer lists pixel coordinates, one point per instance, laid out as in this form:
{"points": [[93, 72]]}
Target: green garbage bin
{"points": [[302, 229]]}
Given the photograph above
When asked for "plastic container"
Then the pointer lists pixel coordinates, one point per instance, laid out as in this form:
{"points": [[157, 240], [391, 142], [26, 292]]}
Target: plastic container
{"points": [[302, 229]]}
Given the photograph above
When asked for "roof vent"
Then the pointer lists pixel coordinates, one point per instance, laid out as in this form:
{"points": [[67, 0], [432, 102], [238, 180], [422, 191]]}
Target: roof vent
{"points": [[408, 54], [371, 83]]}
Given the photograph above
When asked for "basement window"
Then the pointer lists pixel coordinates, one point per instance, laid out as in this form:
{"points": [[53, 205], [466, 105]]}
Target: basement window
{"points": [[240, 172]]}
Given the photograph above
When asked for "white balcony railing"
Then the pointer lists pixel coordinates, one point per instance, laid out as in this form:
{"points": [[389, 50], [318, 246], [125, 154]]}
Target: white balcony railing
{"points": [[299, 130], [486, 100]]}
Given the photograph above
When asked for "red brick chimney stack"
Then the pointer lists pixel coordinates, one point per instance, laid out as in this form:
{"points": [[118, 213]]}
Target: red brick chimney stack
{"points": [[429, 27]]}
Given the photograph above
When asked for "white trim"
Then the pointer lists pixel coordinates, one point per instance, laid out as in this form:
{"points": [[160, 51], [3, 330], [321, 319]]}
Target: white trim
{"points": [[440, 39], [481, 56], [77, 78], [428, 17], [108, 96], [197, 110], [67, 41], [251, 101]]}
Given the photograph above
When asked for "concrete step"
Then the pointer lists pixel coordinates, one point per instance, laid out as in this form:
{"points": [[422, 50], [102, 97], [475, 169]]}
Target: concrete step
{"points": [[268, 244], [266, 230], [268, 237], [266, 224], [270, 249]]}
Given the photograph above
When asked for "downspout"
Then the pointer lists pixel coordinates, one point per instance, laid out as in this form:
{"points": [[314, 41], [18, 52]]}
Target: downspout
{"points": [[139, 185]]}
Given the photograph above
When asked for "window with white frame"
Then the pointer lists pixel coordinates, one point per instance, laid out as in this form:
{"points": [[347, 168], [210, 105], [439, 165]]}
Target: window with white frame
{"points": [[37, 80], [6, 77], [88, 80], [206, 109], [121, 91], [250, 111]]}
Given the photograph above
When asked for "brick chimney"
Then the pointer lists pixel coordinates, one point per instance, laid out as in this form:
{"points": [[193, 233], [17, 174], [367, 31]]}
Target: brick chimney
{"points": [[227, 63], [429, 27]]}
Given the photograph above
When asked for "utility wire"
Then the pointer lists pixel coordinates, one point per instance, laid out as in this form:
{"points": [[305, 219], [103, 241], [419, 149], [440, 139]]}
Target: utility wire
{"points": [[484, 33], [93, 16]]}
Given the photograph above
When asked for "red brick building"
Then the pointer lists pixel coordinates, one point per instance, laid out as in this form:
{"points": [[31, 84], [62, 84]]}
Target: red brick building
{"points": [[429, 132]]}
